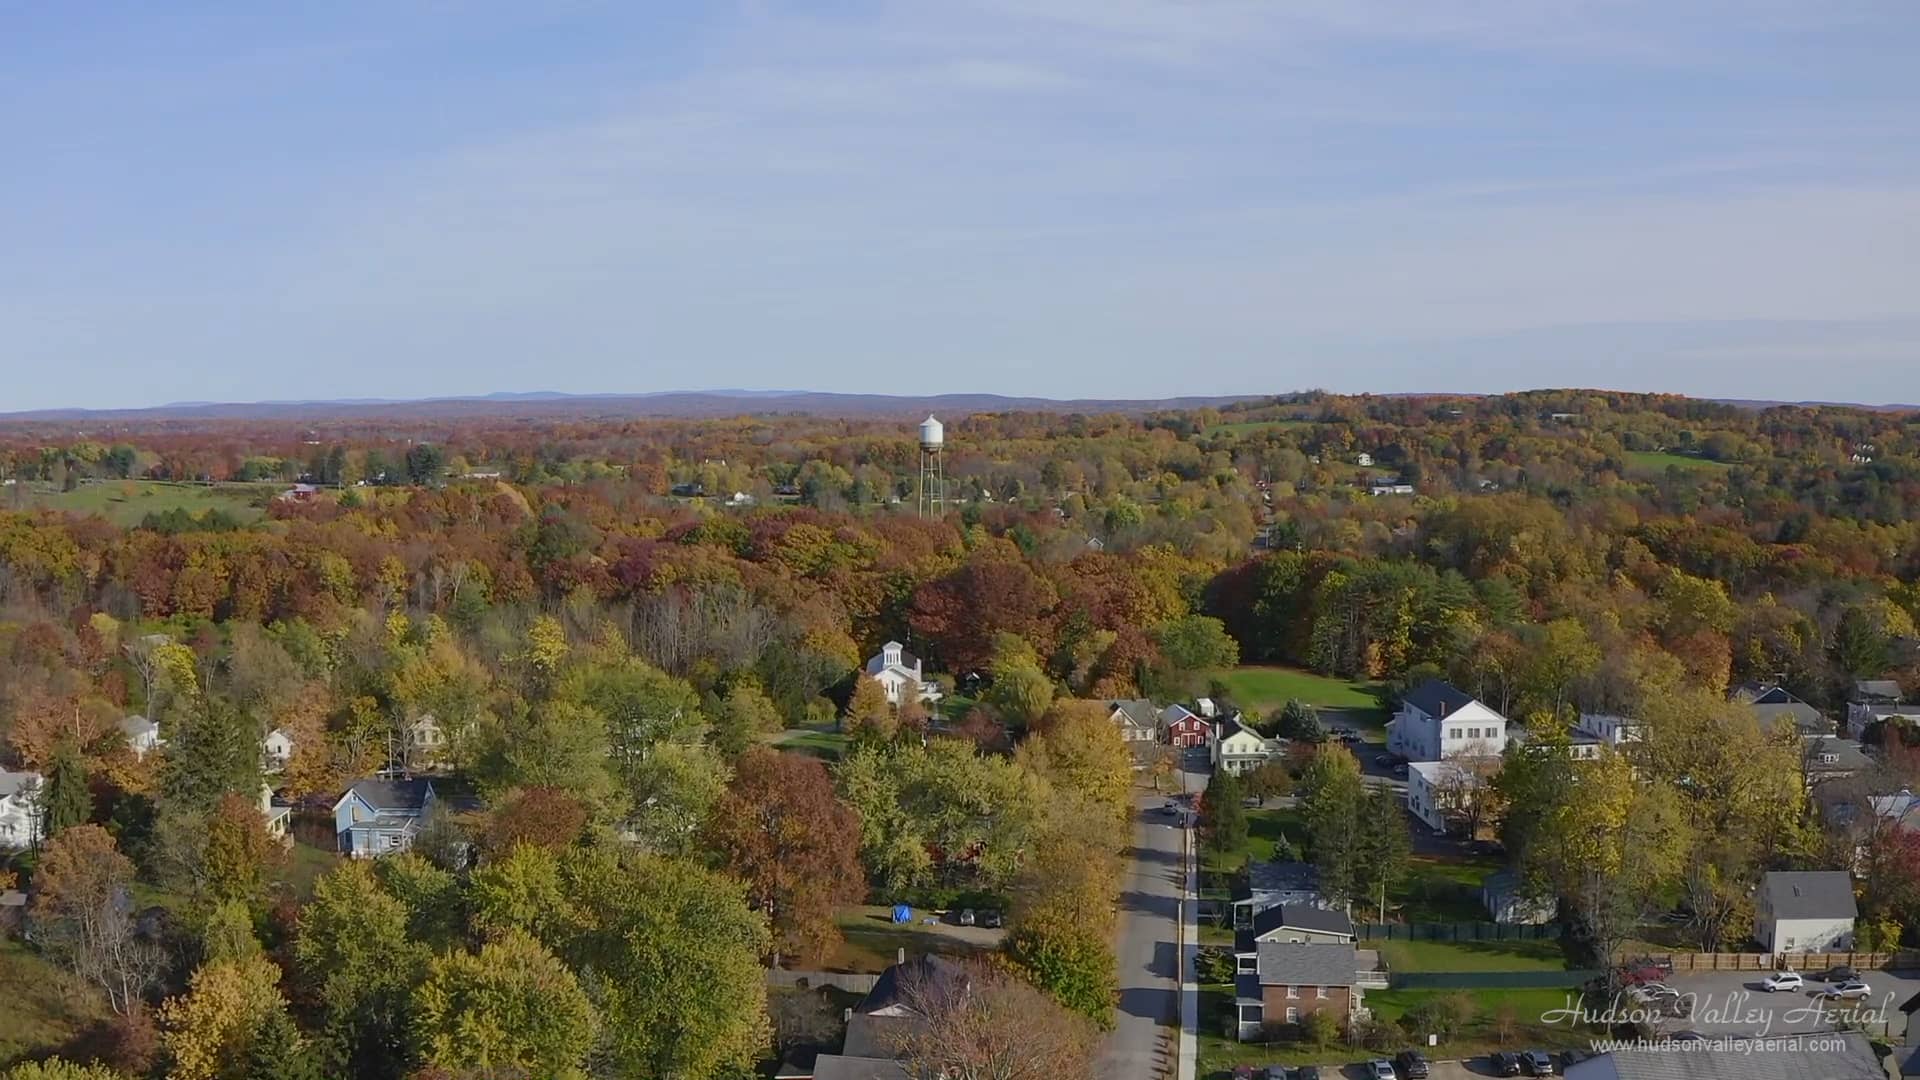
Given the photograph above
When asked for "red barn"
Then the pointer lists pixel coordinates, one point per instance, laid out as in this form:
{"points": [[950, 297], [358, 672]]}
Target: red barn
{"points": [[1183, 728]]}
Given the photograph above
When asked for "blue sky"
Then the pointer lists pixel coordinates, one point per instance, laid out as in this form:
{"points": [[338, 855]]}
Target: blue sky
{"points": [[1061, 197]]}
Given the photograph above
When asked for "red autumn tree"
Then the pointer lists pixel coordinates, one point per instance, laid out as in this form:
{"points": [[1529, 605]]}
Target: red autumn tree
{"points": [[797, 846]]}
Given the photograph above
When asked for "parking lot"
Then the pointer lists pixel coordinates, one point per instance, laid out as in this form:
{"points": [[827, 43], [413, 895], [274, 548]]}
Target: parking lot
{"points": [[1732, 1003]]}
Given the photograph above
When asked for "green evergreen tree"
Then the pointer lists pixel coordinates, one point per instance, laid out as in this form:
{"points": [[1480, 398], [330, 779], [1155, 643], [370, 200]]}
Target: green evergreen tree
{"points": [[66, 800], [1223, 819]]}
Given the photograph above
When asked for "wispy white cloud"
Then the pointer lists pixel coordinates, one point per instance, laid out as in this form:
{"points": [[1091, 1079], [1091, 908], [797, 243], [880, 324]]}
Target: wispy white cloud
{"points": [[1063, 196]]}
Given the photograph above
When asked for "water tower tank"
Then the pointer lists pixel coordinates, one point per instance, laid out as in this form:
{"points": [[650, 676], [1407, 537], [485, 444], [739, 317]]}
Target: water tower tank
{"points": [[932, 432]]}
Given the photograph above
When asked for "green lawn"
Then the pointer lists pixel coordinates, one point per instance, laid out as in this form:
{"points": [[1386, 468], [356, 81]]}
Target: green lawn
{"points": [[1443, 889], [1219, 1054], [46, 1007], [820, 742], [1472, 955], [126, 502], [1262, 689], [873, 943], [1658, 461], [1264, 830]]}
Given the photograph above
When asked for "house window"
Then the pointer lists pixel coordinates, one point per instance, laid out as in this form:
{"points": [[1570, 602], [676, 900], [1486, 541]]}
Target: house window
{"points": [[1293, 991], [1453, 733], [393, 841], [1247, 964], [1473, 733], [1293, 1016]]}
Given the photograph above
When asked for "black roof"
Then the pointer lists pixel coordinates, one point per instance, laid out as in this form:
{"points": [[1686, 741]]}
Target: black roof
{"points": [[929, 974], [1302, 917], [1436, 698]]}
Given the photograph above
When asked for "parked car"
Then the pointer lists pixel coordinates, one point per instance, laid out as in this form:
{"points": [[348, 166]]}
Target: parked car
{"points": [[1687, 1036], [1400, 772], [1781, 980], [967, 917], [1648, 993], [1854, 989], [1275, 1072], [1307, 1072], [1504, 1064], [1243, 1072], [1385, 761], [1537, 1063], [1839, 973], [1487, 847], [1380, 1069], [1412, 1064], [992, 920], [1569, 1058]]}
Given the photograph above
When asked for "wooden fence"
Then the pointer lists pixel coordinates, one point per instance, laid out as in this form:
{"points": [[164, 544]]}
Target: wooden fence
{"points": [[1904, 959]]}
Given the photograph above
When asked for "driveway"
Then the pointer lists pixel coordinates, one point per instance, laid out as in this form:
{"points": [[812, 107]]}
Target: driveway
{"points": [[1732, 1003], [1148, 1018]]}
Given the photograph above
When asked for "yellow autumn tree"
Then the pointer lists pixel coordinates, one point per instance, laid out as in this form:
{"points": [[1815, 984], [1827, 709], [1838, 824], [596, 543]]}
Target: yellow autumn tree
{"points": [[214, 1022]]}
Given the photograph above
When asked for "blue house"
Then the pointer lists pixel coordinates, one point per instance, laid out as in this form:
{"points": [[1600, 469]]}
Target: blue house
{"points": [[378, 817]]}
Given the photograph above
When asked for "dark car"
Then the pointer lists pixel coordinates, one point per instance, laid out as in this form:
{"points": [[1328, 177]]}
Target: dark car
{"points": [[1504, 1064], [1411, 1064], [1385, 761], [1537, 1063], [1275, 1072], [1839, 973], [1486, 847], [1243, 1072], [1400, 771], [1570, 1058], [1307, 1072]]}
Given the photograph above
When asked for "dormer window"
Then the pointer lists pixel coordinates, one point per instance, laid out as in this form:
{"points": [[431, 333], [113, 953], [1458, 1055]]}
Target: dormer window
{"points": [[1829, 759]]}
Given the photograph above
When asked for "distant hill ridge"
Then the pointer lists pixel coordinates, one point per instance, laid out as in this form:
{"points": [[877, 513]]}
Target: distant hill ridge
{"points": [[705, 404], [692, 404]]}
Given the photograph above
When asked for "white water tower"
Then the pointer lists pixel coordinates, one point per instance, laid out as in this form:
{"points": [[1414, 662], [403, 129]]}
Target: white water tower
{"points": [[932, 493]]}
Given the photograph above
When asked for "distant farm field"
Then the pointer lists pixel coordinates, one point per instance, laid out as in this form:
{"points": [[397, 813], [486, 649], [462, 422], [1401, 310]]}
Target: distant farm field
{"points": [[126, 502], [1658, 461], [1264, 688]]}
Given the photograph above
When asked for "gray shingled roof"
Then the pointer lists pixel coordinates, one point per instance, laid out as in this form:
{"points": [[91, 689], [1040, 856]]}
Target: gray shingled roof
{"points": [[1810, 894], [870, 1036], [1286, 963], [1848, 755], [1139, 712], [1439, 699], [1882, 691], [400, 795], [1853, 1060], [1302, 917], [12, 783], [841, 1067]]}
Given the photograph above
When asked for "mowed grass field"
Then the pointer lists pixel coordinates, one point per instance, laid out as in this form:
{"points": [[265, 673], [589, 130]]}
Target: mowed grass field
{"points": [[1472, 955], [1263, 688], [1658, 461], [46, 1006], [126, 502]]}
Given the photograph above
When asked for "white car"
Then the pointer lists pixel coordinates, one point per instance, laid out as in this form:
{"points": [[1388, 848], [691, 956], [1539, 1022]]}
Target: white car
{"points": [[1852, 988], [1653, 991], [1782, 980]]}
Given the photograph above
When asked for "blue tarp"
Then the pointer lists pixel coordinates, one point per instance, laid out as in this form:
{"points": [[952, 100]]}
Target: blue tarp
{"points": [[902, 913]]}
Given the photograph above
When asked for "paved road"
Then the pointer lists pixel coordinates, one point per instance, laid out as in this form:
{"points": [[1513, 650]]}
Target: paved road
{"points": [[1143, 1036]]}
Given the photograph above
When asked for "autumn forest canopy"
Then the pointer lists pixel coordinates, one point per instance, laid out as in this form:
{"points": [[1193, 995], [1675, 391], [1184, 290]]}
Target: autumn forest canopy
{"points": [[606, 623]]}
